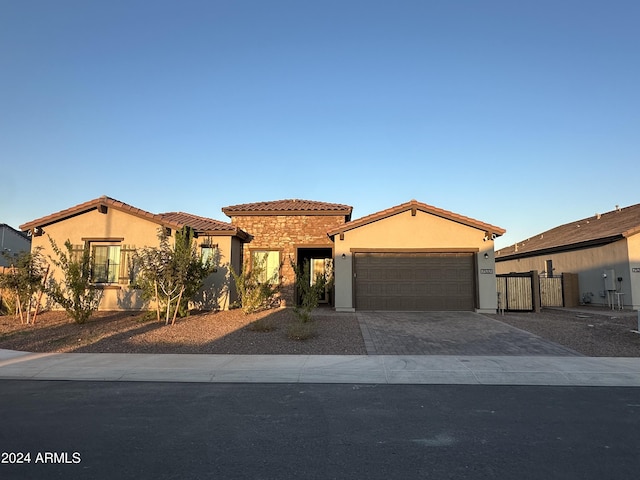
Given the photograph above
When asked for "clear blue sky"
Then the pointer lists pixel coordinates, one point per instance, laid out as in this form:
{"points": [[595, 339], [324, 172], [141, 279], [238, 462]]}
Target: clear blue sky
{"points": [[523, 114]]}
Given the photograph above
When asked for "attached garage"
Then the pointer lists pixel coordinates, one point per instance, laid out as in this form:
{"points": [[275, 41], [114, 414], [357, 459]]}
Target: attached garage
{"points": [[414, 281], [415, 257]]}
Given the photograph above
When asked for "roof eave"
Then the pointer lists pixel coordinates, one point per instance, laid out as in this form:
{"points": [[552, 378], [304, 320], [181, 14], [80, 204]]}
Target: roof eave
{"points": [[267, 213], [561, 248], [236, 232], [490, 230], [94, 205], [631, 231]]}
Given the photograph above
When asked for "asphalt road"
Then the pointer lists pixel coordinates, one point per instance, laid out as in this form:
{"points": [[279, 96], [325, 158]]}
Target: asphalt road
{"points": [[110, 430]]}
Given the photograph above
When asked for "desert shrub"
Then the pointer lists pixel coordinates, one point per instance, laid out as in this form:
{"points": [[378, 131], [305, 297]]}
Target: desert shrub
{"points": [[23, 283], [172, 275], [308, 294], [254, 294], [301, 330], [7, 302], [75, 293]]}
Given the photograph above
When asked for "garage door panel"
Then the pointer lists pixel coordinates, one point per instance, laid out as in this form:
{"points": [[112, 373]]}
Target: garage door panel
{"points": [[414, 281], [423, 275]]}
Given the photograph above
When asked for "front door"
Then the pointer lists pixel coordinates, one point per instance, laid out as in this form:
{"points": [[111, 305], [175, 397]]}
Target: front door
{"points": [[319, 267], [320, 261]]}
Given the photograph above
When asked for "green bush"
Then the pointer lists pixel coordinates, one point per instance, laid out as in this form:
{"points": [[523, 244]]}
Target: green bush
{"points": [[22, 284], [301, 331], [172, 274], [253, 294], [76, 293], [7, 303], [308, 294]]}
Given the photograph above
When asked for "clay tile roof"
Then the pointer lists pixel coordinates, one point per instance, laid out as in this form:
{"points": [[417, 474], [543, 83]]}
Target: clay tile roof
{"points": [[202, 225], [288, 207], [423, 207], [588, 232], [103, 201], [172, 220]]}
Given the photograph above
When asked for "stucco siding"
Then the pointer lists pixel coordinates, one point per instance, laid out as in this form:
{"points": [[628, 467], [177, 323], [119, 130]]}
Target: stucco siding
{"points": [[134, 232], [423, 231], [219, 290], [589, 264], [93, 224], [633, 244]]}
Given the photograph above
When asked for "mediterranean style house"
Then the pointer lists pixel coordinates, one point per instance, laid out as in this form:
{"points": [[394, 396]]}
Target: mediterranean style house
{"points": [[409, 257], [603, 250], [287, 232], [114, 230]]}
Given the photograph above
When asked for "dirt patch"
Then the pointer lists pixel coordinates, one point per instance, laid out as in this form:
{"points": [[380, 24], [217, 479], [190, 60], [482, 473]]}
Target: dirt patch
{"points": [[593, 333], [226, 332], [231, 332]]}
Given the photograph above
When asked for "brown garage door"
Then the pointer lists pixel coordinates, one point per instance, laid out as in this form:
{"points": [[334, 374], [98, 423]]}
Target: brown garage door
{"points": [[414, 281]]}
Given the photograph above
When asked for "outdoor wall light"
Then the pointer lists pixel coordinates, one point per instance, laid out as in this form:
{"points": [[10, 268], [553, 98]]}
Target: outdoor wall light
{"points": [[486, 256], [344, 256]]}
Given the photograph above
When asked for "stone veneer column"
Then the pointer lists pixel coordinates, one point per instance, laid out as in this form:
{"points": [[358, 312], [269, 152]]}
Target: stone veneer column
{"points": [[286, 233]]}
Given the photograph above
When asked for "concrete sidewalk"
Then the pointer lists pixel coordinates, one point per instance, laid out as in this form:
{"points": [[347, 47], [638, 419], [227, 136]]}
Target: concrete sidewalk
{"points": [[355, 369]]}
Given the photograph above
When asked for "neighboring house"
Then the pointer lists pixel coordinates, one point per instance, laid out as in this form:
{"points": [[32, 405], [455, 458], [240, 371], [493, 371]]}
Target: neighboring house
{"points": [[603, 250], [415, 257], [12, 242], [289, 231], [113, 230]]}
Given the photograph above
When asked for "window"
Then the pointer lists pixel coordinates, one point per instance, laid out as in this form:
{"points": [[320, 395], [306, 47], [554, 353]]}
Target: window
{"points": [[106, 263], [269, 262], [209, 252], [548, 268]]}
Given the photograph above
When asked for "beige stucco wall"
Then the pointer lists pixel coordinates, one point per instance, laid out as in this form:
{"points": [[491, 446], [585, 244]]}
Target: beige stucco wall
{"points": [[590, 264], [219, 290], [135, 232], [633, 245], [404, 231]]}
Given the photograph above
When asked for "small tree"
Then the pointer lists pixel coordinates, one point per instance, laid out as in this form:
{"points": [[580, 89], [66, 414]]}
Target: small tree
{"points": [[255, 293], [308, 293], [26, 278], [76, 293], [172, 275]]}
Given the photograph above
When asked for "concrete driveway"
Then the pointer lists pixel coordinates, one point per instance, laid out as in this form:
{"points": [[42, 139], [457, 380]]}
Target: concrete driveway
{"points": [[449, 333]]}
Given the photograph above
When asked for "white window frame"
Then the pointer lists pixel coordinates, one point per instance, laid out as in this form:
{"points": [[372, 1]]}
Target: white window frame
{"points": [[271, 274]]}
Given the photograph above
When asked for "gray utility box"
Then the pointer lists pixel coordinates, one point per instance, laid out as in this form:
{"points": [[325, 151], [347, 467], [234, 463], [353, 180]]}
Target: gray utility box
{"points": [[609, 280]]}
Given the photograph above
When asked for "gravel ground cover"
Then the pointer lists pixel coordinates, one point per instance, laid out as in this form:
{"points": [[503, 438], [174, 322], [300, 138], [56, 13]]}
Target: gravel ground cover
{"points": [[591, 331], [226, 332], [597, 333]]}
